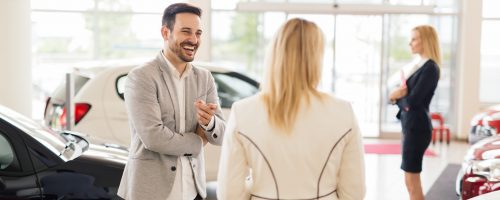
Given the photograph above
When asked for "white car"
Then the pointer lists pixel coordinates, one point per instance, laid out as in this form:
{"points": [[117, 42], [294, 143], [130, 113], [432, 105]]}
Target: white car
{"points": [[100, 108]]}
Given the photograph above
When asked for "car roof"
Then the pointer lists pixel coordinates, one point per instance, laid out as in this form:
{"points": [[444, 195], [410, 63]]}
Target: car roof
{"points": [[91, 69]]}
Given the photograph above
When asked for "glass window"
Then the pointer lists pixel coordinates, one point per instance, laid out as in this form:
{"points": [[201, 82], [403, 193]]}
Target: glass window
{"points": [[239, 39], [115, 36], [80, 5], [362, 52], [443, 100], [490, 59], [153, 6], [490, 9], [224, 4], [358, 56], [60, 36], [444, 5]]}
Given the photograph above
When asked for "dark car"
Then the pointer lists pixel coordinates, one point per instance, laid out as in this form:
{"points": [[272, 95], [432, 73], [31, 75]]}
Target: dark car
{"points": [[38, 163], [480, 172]]}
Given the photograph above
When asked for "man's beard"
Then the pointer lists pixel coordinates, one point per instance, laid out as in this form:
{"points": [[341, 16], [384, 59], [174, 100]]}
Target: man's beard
{"points": [[178, 50]]}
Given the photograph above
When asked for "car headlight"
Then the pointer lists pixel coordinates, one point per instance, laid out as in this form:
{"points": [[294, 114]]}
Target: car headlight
{"points": [[489, 168]]}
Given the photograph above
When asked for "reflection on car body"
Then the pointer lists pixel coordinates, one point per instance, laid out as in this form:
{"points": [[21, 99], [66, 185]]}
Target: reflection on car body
{"points": [[38, 163], [480, 172], [485, 124]]}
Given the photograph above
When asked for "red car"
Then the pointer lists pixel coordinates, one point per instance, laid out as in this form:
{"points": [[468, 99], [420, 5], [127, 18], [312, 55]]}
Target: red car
{"points": [[485, 124], [480, 172]]}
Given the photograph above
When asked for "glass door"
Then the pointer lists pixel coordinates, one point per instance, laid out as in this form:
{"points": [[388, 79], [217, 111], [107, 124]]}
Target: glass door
{"points": [[357, 69]]}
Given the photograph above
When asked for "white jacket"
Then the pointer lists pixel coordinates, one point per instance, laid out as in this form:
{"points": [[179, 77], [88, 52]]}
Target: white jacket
{"points": [[322, 158]]}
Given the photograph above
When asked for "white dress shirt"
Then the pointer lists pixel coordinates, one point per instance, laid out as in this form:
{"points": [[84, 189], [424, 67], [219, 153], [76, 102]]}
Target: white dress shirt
{"points": [[408, 70], [411, 69], [184, 187]]}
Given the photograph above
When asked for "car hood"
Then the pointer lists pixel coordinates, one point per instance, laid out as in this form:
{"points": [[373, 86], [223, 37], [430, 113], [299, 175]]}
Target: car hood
{"points": [[488, 148]]}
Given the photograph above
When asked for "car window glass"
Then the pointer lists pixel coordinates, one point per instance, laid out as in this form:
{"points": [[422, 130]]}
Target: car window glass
{"points": [[8, 161], [231, 89], [60, 92], [120, 85], [40, 160]]}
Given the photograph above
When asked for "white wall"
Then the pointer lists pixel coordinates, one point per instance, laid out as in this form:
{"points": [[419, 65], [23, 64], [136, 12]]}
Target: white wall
{"points": [[15, 55]]}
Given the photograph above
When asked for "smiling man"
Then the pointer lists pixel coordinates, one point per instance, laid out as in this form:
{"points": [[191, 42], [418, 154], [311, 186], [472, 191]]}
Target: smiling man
{"points": [[173, 112]]}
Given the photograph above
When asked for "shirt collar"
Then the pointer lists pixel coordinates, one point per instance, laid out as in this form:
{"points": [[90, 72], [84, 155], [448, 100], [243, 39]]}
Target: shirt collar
{"points": [[176, 73], [422, 61]]}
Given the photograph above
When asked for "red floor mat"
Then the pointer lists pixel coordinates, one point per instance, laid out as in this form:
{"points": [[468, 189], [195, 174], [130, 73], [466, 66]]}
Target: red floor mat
{"points": [[390, 148]]}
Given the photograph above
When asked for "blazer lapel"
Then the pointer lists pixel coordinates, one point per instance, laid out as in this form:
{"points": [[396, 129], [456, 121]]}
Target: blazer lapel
{"points": [[191, 96], [167, 77], [419, 70]]}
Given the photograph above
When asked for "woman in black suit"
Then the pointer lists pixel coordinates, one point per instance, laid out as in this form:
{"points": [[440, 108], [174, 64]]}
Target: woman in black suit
{"points": [[413, 99]]}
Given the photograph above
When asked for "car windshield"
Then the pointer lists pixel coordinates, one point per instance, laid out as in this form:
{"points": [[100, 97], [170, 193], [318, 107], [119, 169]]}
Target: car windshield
{"points": [[231, 88], [54, 141], [60, 92]]}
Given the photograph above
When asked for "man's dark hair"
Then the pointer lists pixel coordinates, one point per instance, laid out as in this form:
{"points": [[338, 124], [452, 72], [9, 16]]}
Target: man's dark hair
{"points": [[172, 10]]}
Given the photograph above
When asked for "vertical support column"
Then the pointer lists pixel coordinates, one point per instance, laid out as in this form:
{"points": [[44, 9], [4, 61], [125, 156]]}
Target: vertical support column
{"points": [[469, 55], [15, 56], [70, 105]]}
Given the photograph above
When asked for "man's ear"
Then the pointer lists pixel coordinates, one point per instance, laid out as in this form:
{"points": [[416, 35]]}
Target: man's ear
{"points": [[165, 32]]}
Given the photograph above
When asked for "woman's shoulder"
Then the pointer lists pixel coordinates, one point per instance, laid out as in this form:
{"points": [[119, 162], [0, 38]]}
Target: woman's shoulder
{"points": [[334, 99], [431, 63], [251, 101], [431, 67], [332, 102]]}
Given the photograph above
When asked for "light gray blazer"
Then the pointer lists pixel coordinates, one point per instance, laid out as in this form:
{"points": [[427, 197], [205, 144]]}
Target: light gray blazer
{"points": [[152, 105]]}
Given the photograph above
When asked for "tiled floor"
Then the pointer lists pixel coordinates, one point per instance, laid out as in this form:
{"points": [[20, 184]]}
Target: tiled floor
{"points": [[385, 181]]}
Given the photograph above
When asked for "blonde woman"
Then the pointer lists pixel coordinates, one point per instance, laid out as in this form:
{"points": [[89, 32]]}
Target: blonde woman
{"points": [[292, 141], [413, 99]]}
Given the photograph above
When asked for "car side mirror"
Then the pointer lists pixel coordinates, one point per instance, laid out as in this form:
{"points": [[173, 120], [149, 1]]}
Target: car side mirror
{"points": [[2, 184]]}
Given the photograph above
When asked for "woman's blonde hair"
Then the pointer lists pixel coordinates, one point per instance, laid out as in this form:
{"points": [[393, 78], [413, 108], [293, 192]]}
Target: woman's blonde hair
{"points": [[430, 42], [293, 71]]}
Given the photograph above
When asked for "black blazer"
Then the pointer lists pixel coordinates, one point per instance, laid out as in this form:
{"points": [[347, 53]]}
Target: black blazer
{"points": [[414, 107]]}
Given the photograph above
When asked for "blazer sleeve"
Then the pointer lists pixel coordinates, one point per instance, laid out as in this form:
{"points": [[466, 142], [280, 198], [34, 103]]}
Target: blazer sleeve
{"points": [[145, 116], [216, 135], [424, 86], [233, 166], [351, 184]]}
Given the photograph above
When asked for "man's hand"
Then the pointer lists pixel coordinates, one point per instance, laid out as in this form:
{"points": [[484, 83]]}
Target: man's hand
{"points": [[204, 112], [398, 93], [200, 132]]}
